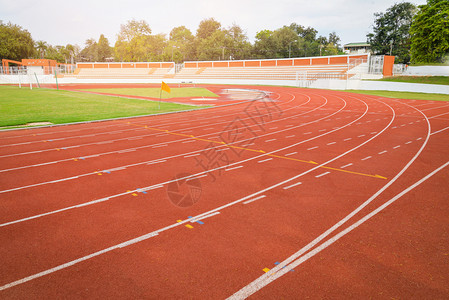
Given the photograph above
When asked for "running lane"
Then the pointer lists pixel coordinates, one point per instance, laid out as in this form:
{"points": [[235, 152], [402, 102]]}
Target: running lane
{"points": [[287, 197]]}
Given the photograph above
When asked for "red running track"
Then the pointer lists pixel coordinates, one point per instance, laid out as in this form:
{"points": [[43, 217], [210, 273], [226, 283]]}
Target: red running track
{"points": [[308, 193]]}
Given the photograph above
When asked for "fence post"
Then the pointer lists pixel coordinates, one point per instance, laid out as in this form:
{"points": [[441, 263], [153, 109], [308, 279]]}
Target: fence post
{"points": [[56, 77]]}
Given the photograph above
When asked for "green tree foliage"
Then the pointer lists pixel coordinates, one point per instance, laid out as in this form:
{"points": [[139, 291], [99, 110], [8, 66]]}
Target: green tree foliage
{"points": [[15, 42], [104, 51], [132, 41], [430, 32], [181, 45], [391, 31]]}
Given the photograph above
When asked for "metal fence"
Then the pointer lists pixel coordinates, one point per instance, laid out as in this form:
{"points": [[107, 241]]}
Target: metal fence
{"points": [[63, 69]]}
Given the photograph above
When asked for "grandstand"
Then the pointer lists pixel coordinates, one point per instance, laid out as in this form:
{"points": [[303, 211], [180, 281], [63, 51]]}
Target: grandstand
{"points": [[303, 72]]}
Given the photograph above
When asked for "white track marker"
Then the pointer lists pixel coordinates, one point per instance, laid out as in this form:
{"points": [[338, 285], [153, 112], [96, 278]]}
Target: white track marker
{"points": [[322, 174], [264, 160], [254, 199], [230, 169], [342, 167], [293, 153], [292, 185]]}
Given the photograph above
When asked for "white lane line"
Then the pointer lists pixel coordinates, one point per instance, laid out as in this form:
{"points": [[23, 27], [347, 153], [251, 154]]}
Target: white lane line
{"points": [[322, 174], [270, 140], [254, 199], [158, 146], [292, 185], [127, 150], [156, 162], [189, 141], [307, 133], [342, 167], [409, 142], [382, 152], [293, 153], [193, 220], [299, 257], [439, 130], [368, 157], [322, 130], [374, 132], [395, 147], [233, 168], [348, 139], [261, 161], [312, 148], [192, 155], [254, 194], [280, 269], [290, 136], [196, 177], [362, 135], [331, 143], [105, 142], [418, 139]]}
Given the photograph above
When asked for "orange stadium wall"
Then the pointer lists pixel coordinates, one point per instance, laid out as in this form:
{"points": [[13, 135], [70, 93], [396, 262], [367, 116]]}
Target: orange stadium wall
{"points": [[126, 65], [388, 65], [307, 61]]}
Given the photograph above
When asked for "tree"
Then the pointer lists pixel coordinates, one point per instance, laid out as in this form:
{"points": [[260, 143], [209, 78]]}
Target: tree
{"points": [[265, 45], [181, 45], [103, 50], [15, 42], [391, 31], [89, 53], [285, 39], [41, 48], [430, 32], [133, 41], [207, 27]]}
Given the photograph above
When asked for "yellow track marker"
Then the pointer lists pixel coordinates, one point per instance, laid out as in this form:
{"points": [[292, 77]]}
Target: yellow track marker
{"points": [[265, 270], [188, 225], [260, 151]]}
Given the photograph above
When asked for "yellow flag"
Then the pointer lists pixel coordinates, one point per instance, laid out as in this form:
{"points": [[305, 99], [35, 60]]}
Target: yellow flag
{"points": [[165, 87]]}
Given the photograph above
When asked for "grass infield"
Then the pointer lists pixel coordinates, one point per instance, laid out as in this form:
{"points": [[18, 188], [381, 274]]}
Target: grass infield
{"points": [[443, 80], [404, 95], [155, 92], [23, 106]]}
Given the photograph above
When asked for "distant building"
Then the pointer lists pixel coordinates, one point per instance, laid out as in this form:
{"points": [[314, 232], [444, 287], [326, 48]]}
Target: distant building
{"points": [[357, 48]]}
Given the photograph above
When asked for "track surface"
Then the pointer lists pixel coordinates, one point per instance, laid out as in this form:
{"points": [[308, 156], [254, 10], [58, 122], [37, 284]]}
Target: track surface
{"points": [[307, 194]]}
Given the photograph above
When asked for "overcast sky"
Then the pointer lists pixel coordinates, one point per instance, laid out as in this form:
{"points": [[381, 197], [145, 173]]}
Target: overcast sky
{"points": [[74, 21]]}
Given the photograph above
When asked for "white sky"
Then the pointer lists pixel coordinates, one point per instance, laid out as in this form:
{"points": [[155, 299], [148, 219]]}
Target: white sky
{"points": [[74, 21]]}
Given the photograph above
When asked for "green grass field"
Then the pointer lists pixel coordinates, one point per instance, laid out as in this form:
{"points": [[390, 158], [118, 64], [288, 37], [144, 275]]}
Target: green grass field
{"points": [[154, 92], [404, 95], [443, 80], [23, 106]]}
